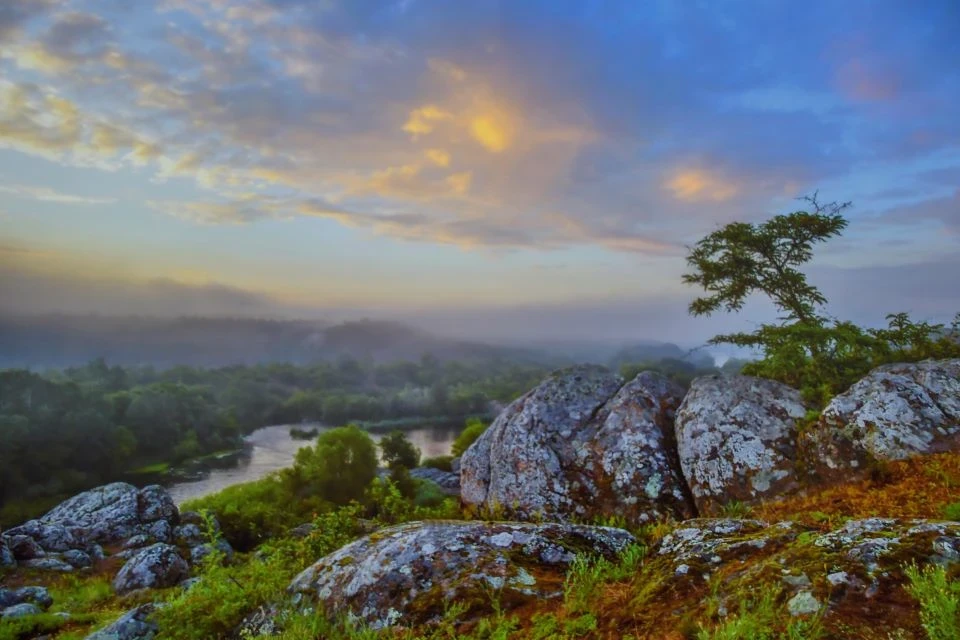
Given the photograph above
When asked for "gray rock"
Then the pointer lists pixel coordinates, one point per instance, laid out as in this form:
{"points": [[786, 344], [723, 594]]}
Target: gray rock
{"points": [[78, 559], [20, 611], [51, 536], [582, 444], [160, 531], [155, 567], [105, 514], [38, 596], [201, 551], [154, 503], [48, 563], [895, 412], [455, 465], [803, 604], [448, 482], [7, 559], [736, 438], [189, 535], [133, 625], [138, 541], [406, 573], [24, 547]]}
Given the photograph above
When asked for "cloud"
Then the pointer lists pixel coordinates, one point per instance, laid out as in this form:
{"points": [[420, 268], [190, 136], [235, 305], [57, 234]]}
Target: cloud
{"points": [[46, 194], [695, 185]]}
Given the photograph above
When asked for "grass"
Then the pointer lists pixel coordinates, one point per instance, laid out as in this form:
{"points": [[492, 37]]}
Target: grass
{"points": [[939, 599]]}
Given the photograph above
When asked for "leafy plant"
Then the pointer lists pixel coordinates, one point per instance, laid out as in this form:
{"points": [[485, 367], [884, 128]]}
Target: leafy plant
{"points": [[474, 429]]}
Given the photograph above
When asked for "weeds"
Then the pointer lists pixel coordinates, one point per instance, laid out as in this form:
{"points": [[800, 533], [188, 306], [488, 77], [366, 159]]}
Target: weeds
{"points": [[939, 599]]}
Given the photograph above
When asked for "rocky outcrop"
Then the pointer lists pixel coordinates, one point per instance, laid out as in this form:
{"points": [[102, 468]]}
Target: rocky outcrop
{"points": [[108, 514], [448, 482], [133, 625], [409, 572], [155, 567], [859, 566], [582, 444], [895, 412], [20, 611], [736, 438], [7, 559]]}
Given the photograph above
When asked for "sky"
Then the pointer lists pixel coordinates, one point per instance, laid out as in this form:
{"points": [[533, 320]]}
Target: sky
{"points": [[497, 169]]}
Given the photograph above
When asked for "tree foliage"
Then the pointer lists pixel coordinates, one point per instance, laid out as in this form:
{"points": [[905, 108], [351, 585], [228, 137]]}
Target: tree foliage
{"points": [[396, 450], [821, 356], [337, 468]]}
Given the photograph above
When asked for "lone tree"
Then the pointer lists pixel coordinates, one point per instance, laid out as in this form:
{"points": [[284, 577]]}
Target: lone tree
{"points": [[742, 258], [819, 355]]}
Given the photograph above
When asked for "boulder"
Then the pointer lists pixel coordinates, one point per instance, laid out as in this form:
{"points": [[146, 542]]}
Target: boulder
{"points": [[38, 596], [105, 514], [154, 503], [49, 536], [581, 445], [189, 535], [199, 553], [20, 611], [448, 482], [48, 563], [133, 625], [410, 572], [78, 559], [895, 412], [736, 439], [155, 567]]}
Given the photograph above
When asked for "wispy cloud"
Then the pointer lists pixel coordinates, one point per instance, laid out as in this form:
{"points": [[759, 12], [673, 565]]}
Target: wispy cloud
{"points": [[46, 194]]}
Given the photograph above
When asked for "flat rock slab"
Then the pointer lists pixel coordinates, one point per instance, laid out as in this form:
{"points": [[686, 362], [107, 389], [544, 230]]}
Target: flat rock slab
{"points": [[408, 573]]}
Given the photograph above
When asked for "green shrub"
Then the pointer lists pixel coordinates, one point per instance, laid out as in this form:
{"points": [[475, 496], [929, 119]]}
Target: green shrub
{"points": [[397, 451], [438, 462], [474, 429], [952, 511], [428, 494], [939, 599], [337, 469]]}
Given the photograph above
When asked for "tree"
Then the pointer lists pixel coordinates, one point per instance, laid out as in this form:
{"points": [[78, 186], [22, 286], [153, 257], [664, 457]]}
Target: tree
{"points": [[820, 356], [338, 468], [742, 258], [397, 451]]}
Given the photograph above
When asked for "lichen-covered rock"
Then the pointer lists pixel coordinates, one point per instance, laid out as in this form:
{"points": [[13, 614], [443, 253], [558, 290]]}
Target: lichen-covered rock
{"points": [[448, 482], [155, 567], [20, 611], [38, 596], [106, 514], [133, 625], [7, 559], [895, 412], [200, 552], [51, 562], [859, 566], [581, 444], [154, 503], [408, 572], [77, 559], [736, 438], [188, 535]]}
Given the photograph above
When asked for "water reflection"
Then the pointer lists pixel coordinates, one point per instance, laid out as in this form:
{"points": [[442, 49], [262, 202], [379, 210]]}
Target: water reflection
{"points": [[272, 449]]}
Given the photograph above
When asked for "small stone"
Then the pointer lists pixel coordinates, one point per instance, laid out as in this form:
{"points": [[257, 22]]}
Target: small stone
{"points": [[682, 570], [804, 603], [837, 578], [20, 611], [797, 582]]}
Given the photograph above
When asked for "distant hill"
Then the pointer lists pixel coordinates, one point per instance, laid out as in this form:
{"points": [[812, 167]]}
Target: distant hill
{"points": [[62, 340]]}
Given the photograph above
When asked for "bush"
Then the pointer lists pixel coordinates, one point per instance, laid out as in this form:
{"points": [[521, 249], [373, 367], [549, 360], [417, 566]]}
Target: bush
{"points": [[397, 451], [939, 599], [438, 462], [474, 429], [337, 469], [252, 512]]}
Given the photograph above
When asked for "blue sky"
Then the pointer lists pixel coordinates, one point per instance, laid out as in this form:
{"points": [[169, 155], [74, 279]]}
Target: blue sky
{"points": [[502, 168]]}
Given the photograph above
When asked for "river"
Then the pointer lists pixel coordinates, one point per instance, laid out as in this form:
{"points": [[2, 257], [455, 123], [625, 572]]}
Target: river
{"points": [[272, 448]]}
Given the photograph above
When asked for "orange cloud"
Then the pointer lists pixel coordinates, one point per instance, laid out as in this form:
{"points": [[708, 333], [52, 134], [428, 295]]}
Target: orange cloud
{"points": [[438, 157], [694, 185], [423, 120]]}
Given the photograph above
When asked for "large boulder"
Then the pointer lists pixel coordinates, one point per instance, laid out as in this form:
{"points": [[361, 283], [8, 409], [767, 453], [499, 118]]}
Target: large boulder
{"points": [[736, 438], [133, 625], [107, 514], [410, 572], [158, 566], [581, 445], [24, 547], [38, 596], [895, 412]]}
